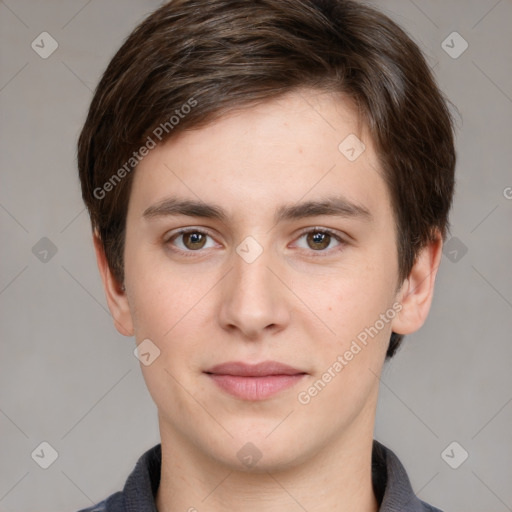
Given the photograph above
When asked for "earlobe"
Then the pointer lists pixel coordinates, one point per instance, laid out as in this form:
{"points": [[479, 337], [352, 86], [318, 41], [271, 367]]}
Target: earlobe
{"points": [[115, 292], [417, 291]]}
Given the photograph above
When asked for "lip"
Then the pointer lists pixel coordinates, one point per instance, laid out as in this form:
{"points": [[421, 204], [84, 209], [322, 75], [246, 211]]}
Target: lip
{"points": [[254, 381], [241, 369]]}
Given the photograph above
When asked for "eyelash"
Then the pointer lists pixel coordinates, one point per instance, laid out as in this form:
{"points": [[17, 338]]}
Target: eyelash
{"points": [[319, 253]]}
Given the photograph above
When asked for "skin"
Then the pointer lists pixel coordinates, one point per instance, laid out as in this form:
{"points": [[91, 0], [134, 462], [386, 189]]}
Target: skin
{"points": [[298, 303]]}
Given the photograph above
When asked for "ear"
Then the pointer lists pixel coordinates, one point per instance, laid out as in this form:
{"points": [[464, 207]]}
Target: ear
{"points": [[114, 292], [417, 290]]}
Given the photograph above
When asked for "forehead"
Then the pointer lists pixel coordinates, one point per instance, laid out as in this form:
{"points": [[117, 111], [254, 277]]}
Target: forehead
{"points": [[300, 146]]}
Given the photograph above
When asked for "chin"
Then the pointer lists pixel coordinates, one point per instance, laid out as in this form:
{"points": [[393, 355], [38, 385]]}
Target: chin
{"points": [[257, 451]]}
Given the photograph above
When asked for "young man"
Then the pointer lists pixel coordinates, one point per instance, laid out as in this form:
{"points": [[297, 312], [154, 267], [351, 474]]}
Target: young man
{"points": [[269, 185]]}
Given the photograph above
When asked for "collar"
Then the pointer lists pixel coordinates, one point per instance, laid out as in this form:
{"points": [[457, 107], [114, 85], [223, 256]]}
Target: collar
{"points": [[390, 482]]}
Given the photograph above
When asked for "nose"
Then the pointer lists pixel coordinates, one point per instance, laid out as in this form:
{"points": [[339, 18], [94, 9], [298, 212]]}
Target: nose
{"points": [[253, 299]]}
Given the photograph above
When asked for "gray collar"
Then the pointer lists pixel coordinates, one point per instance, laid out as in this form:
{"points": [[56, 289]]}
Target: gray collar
{"points": [[390, 482]]}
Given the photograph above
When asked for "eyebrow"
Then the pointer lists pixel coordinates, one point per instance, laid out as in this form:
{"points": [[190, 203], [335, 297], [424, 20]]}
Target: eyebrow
{"points": [[336, 206]]}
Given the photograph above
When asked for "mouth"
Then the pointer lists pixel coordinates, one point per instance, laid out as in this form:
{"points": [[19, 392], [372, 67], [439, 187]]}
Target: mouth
{"points": [[254, 381]]}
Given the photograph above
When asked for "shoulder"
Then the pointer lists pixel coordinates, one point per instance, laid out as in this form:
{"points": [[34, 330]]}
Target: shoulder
{"points": [[392, 485], [429, 508], [140, 487], [113, 503]]}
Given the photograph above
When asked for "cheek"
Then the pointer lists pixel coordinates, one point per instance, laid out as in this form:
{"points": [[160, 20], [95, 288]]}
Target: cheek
{"points": [[161, 304], [157, 296], [356, 353], [166, 309], [359, 309], [357, 300], [168, 305]]}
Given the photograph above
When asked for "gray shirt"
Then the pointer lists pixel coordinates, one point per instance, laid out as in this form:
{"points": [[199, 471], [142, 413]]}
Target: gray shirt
{"points": [[390, 483]]}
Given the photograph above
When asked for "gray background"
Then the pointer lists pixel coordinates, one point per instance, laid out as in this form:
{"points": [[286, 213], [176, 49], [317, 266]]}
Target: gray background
{"points": [[69, 379]]}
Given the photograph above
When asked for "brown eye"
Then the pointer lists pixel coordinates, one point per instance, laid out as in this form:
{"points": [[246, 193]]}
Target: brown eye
{"points": [[194, 240], [318, 240], [188, 241]]}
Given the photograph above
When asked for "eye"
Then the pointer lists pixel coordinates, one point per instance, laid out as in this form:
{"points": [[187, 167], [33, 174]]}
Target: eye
{"points": [[190, 240], [320, 239]]}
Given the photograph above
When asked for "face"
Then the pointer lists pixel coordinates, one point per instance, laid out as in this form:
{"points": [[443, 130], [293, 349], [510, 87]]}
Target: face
{"points": [[259, 239]]}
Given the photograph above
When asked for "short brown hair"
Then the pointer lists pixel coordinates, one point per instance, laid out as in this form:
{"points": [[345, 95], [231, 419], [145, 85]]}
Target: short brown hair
{"points": [[212, 56]]}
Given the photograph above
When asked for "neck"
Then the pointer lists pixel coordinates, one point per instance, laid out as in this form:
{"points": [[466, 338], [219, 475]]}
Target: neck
{"points": [[336, 478]]}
